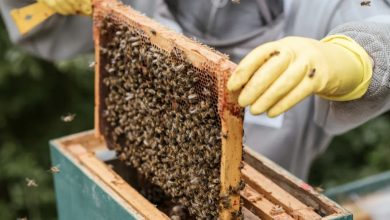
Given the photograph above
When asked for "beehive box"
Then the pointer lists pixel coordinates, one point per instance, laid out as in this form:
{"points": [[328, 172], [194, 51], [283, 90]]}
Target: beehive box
{"points": [[162, 105], [91, 185]]}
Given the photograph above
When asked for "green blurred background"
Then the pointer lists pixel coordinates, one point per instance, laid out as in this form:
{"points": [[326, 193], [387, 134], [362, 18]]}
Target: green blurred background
{"points": [[34, 94]]}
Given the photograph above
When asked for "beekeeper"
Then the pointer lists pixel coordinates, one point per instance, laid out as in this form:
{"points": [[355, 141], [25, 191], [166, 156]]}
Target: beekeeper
{"points": [[331, 77]]}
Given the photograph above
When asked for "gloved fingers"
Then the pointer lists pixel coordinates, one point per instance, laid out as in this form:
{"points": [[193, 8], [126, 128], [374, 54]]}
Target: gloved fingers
{"points": [[50, 4], [56, 6], [62, 7], [280, 87], [75, 4], [86, 8], [83, 6], [263, 78], [300, 92], [248, 66]]}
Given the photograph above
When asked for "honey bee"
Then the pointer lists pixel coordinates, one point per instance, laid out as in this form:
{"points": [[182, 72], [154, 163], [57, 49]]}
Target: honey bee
{"points": [[133, 39], [312, 73], [122, 157], [237, 215], [31, 182], [225, 135], [206, 92], [179, 68], [92, 64], [175, 217], [276, 210], [54, 169], [136, 43], [275, 53], [319, 189], [365, 3], [68, 117], [225, 201]]}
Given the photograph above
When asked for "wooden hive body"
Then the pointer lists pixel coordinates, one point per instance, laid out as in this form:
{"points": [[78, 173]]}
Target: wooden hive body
{"points": [[88, 187]]}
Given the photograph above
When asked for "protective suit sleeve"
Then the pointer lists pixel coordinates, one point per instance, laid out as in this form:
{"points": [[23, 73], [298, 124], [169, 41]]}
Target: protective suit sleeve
{"points": [[373, 34], [164, 16], [59, 37]]}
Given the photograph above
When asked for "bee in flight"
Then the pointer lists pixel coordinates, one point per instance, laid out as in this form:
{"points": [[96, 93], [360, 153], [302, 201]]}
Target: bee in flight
{"points": [[365, 3], [68, 118]]}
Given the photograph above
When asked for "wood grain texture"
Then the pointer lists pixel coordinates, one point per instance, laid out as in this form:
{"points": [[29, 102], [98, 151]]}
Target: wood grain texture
{"points": [[277, 195], [230, 160], [295, 186], [97, 105], [262, 207]]}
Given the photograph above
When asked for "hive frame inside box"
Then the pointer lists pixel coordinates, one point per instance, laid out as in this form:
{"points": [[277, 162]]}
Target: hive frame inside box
{"points": [[87, 188], [200, 57]]}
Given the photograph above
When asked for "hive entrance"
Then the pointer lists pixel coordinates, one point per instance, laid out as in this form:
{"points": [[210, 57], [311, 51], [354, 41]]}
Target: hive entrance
{"points": [[150, 191], [166, 113]]}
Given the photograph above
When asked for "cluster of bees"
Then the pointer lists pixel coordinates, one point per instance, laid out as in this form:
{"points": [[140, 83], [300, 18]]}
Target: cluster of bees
{"points": [[160, 114]]}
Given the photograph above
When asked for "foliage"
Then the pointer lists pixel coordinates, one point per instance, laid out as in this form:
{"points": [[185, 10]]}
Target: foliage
{"points": [[361, 152], [34, 94]]}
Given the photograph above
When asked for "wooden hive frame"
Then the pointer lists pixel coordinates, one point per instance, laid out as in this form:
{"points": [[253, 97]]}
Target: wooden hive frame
{"points": [[200, 57]]}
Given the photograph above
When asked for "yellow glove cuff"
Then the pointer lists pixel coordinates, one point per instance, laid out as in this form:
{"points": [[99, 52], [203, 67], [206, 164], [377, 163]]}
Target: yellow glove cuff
{"points": [[367, 65]]}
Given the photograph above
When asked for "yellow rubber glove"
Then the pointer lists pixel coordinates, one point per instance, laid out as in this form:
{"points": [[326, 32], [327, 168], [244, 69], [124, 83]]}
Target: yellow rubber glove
{"points": [[277, 75], [69, 7]]}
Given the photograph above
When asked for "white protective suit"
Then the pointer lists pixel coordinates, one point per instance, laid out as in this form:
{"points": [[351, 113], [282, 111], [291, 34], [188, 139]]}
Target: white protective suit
{"points": [[294, 139]]}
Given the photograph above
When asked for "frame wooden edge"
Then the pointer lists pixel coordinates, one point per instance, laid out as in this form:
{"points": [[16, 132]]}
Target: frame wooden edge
{"points": [[198, 54], [230, 161], [96, 39], [87, 138], [232, 134], [97, 89]]}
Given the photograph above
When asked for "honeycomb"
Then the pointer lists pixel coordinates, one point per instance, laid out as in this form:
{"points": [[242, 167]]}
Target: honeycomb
{"points": [[160, 114]]}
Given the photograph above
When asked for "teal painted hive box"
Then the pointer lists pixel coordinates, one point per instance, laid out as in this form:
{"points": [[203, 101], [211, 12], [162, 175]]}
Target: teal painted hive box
{"points": [[90, 187], [367, 198]]}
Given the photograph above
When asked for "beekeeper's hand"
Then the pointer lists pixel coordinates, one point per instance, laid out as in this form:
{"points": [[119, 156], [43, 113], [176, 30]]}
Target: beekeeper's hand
{"points": [[69, 7], [277, 75]]}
